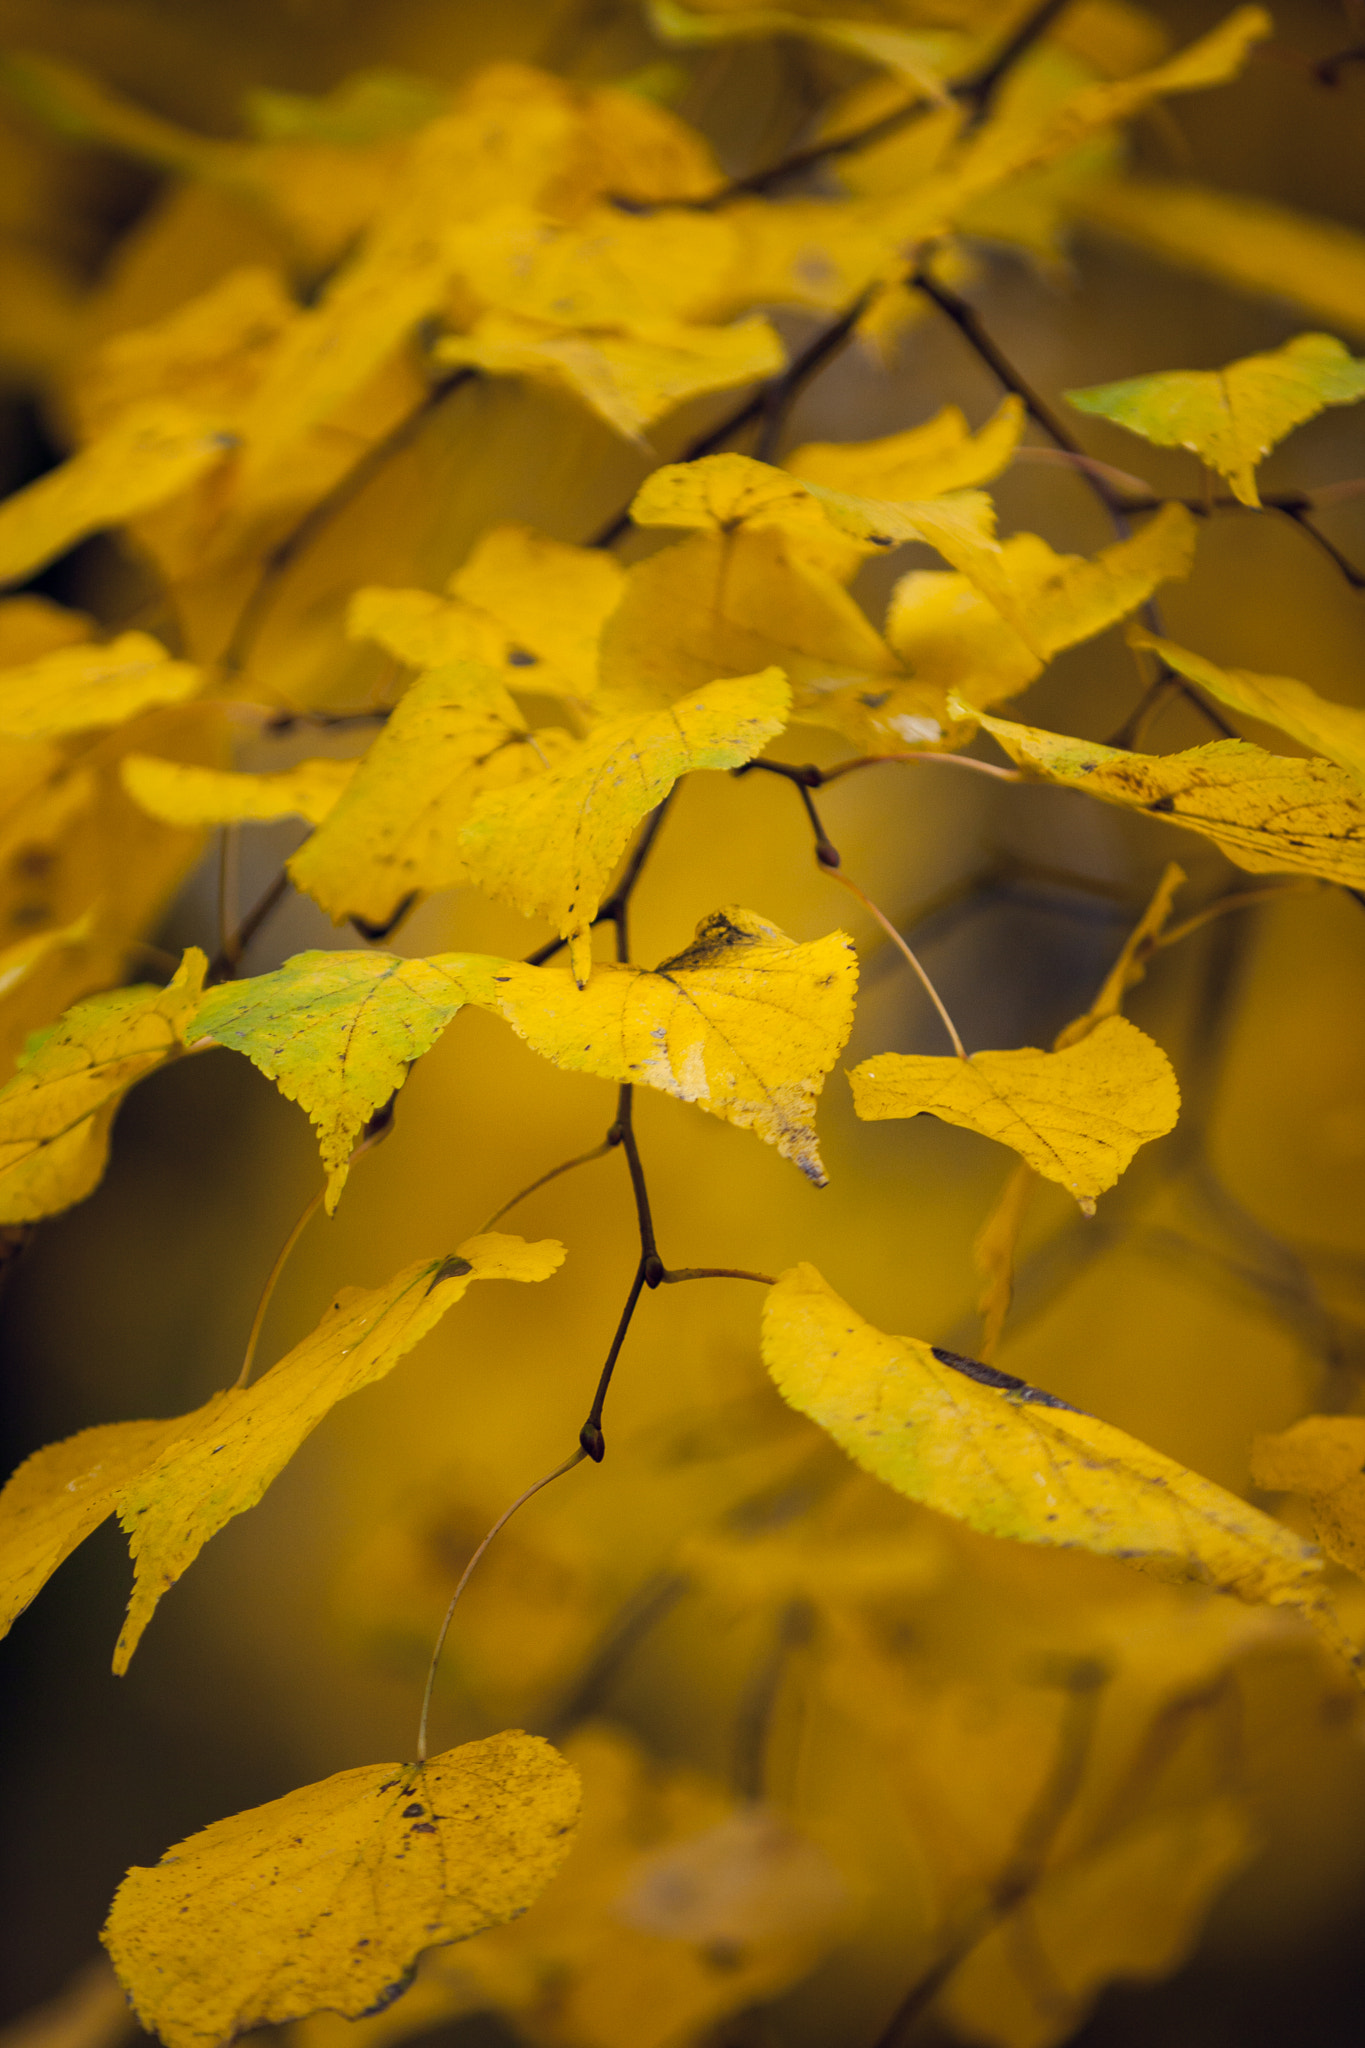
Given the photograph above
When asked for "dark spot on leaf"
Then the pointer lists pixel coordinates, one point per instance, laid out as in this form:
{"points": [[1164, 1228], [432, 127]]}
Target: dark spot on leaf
{"points": [[1162, 804], [874, 699], [413, 1812], [423, 1827], [1003, 1382], [521, 657]]}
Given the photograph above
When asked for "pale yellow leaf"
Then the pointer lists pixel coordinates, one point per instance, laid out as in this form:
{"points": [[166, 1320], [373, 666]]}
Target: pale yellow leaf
{"points": [[56, 1113], [550, 845], [1077, 1116], [395, 831], [326, 1898], [1268, 813], [1231, 417], [1323, 1458], [148, 455], [745, 1023], [182, 794], [923, 462], [1010, 1461], [336, 1032], [1335, 730]]}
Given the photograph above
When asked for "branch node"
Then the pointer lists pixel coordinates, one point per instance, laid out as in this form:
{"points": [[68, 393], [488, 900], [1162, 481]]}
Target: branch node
{"points": [[594, 1443]]}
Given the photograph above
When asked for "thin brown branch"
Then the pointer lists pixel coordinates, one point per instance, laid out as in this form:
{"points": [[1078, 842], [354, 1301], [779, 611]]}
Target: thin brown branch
{"points": [[223, 966]]}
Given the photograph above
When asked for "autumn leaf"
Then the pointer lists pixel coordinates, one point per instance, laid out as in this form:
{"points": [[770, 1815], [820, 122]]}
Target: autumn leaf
{"points": [[744, 1023], [336, 1032], [395, 831], [1323, 1458], [923, 462], [326, 1897], [1011, 1461], [180, 793], [550, 845], [57, 1112], [1335, 730], [1077, 1116], [76, 688], [175, 1484], [150, 453], [917, 57], [1231, 417], [422, 629], [547, 599], [1268, 813]]}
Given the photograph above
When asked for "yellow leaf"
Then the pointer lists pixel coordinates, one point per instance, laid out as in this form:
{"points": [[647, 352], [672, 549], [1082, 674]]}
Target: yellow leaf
{"points": [[174, 1484], [182, 794], [744, 1023], [1077, 1116], [549, 846], [1132, 1908], [923, 462], [421, 629], [1336, 730], [953, 637], [336, 1032], [920, 57], [396, 829], [18, 961], [56, 1113], [34, 626], [1230, 418], [149, 454], [549, 600], [76, 688], [644, 151], [1250, 243], [630, 379], [326, 1897], [1268, 813], [1010, 1461], [1323, 1458], [367, 106]]}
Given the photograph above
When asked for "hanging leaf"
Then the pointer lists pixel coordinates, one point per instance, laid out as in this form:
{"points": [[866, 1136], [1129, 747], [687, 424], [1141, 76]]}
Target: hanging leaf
{"points": [[1323, 1458], [1011, 1461], [76, 688], [175, 1484], [326, 1897], [550, 846], [336, 1032], [1270, 814], [395, 831], [1336, 730], [1077, 1116], [1230, 418], [181, 794], [57, 1112], [923, 462], [744, 1023]]}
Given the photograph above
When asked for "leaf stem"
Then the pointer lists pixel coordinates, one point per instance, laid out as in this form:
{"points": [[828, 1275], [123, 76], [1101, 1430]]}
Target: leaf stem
{"points": [[223, 966], [884, 921], [715, 1273], [503, 1519], [1240, 901], [272, 1280], [582, 1159]]}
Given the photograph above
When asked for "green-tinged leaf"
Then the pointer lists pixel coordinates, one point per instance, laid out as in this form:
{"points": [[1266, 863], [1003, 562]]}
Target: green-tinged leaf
{"points": [[549, 846], [1010, 1461], [1077, 1116], [1230, 418], [745, 1023], [148, 455], [396, 830], [76, 688], [630, 379], [1250, 243], [181, 794], [56, 1113], [919, 57], [175, 1484], [1336, 730], [1323, 1458], [326, 1898], [951, 636], [336, 1032], [923, 462], [1268, 813]]}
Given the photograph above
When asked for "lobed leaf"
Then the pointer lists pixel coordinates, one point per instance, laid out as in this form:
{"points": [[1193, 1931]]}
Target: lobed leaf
{"points": [[74, 689], [1335, 730], [1231, 417], [744, 1023], [175, 1484], [1077, 1116], [1011, 1461], [336, 1032], [179, 793], [326, 1898], [57, 1112], [549, 846], [1269, 814]]}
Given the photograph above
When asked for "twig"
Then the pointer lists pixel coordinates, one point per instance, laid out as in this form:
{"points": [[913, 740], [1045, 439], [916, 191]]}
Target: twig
{"points": [[1240, 901], [598, 1152], [258, 1321], [503, 1519], [715, 1273], [224, 963]]}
